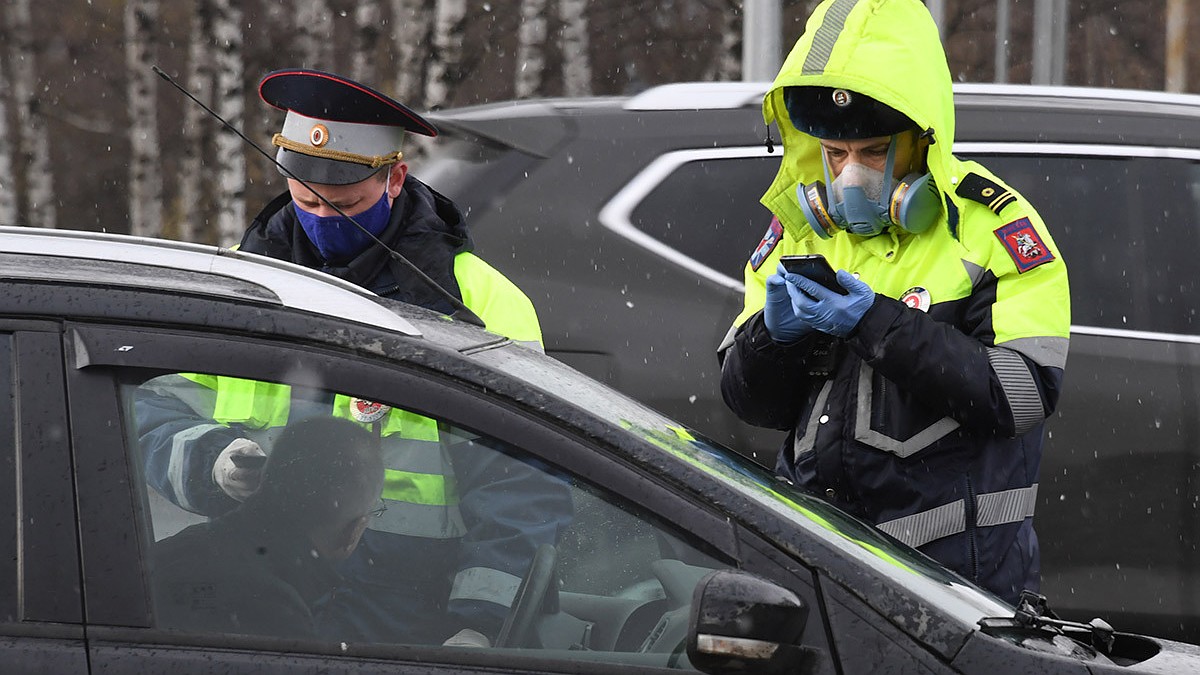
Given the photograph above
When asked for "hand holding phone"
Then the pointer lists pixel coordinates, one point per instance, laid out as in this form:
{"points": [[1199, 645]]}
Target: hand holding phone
{"points": [[813, 266], [237, 469]]}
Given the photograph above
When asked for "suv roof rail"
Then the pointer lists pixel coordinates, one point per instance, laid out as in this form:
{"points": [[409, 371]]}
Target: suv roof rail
{"points": [[729, 95], [699, 96], [295, 286], [1102, 93]]}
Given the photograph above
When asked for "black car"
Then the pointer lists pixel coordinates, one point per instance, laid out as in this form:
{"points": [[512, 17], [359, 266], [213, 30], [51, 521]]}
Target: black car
{"points": [[679, 554], [629, 221]]}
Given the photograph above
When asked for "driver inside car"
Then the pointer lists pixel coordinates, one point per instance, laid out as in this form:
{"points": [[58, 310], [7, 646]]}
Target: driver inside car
{"points": [[463, 520], [265, 567]]}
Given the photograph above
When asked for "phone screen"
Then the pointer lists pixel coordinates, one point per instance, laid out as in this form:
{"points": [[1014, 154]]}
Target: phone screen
{"points": [[815, 267], [248, 461]]}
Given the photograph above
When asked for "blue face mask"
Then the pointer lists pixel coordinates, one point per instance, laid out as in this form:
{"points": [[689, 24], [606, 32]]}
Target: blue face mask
{"points": [[336, 238]]}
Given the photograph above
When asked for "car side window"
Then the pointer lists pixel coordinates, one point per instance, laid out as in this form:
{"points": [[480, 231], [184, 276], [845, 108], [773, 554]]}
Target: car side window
{"points": [[700, 210], [1129, 229], [461, 539]]}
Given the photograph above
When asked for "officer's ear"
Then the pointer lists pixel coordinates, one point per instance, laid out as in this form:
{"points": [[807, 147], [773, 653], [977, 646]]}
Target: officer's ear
{"points": [[340, 540], [398, 172]]}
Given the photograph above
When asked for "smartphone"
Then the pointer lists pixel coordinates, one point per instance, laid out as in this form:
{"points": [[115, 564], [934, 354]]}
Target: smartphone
{"points": [[815, 267], [249, 461]]}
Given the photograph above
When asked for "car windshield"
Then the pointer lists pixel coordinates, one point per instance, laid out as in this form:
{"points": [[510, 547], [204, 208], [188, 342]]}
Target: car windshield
{"points": [[847, 535]]}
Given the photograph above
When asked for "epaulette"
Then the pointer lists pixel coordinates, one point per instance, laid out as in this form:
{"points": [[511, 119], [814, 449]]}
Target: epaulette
{"points": [[985, 191]]}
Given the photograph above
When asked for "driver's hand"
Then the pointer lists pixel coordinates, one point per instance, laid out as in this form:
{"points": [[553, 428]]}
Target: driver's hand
{"points": [[237, 482], [467, 638]]}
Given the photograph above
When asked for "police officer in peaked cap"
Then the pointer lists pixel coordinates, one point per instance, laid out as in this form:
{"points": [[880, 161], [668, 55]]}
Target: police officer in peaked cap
{"points": [[430, 571], [344, 140]]}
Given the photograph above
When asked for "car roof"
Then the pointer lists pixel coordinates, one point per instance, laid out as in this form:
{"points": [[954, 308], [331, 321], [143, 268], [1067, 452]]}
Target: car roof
{"points": [[986, 112], [160, 264]]}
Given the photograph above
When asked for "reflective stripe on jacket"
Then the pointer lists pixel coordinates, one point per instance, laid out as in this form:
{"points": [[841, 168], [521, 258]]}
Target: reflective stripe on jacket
{"points": [[419, 490]]}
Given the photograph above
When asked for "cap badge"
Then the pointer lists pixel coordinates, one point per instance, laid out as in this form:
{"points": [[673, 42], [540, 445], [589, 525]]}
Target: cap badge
{"points": [[319, 135], [917, 298], [367, 411], [841, 98]]}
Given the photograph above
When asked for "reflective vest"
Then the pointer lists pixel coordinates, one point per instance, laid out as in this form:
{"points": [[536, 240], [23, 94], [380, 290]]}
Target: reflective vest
{"points": [[419, 486]]}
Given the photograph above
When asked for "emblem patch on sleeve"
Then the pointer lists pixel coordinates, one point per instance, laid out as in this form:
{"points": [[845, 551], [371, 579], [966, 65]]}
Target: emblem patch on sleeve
{"points": [[769, 241], [1024, 245]]}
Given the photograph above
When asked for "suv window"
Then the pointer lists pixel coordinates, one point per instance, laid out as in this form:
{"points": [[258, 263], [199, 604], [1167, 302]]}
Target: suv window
{"points": [[1128, 228], [1125, 224], [701, 211]]}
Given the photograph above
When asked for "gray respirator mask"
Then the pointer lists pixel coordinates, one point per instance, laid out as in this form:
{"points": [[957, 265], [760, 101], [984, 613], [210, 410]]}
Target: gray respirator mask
{"points": [[866, 201]]}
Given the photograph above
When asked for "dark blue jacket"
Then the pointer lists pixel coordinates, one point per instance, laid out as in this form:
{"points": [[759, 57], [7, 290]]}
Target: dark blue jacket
{"points": [[872, 433]]}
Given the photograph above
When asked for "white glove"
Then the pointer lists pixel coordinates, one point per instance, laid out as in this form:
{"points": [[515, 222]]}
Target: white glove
{"points": [[235, 481], [467, 638]]}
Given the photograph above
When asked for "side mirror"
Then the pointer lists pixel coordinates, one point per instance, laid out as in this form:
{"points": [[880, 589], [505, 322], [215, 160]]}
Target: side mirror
{"points": [[741, 623]]}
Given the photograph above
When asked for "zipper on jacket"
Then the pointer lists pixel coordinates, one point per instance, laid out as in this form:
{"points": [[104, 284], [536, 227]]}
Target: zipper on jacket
{"points": [[883, 401], [969, 517]]}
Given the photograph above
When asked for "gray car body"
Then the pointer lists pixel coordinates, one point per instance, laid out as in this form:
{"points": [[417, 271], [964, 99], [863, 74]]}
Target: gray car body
{"points": [[628, 220], [77, 309]]}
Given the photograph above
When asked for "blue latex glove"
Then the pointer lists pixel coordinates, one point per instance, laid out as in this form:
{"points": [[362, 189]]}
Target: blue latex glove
{"points": [[825, 310], [782, 323]]}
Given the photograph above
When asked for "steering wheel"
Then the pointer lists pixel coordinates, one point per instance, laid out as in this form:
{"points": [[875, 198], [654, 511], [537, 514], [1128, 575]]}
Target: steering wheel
{"points": [[531, 594]]}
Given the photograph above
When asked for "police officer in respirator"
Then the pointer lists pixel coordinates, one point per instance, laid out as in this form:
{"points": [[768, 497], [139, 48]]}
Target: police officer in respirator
{"points": [[915, 394]]}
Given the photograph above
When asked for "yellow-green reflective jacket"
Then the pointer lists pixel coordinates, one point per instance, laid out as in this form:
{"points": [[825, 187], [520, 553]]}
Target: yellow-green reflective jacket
{"points": [[419, 487]]}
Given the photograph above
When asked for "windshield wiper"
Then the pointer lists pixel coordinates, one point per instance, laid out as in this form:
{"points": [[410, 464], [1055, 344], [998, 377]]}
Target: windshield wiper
{"points": [[1034, 615]]}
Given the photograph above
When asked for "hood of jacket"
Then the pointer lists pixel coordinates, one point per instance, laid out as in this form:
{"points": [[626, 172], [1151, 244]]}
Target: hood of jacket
{"points": [[889, 50]]}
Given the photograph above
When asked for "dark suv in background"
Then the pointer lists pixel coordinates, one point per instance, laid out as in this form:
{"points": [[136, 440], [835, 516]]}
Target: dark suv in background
{"points": [[629, 220]]}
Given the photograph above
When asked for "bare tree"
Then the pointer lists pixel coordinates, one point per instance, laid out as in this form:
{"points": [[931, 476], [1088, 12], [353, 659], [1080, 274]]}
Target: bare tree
{"points": [[31, 125], [8, 183], [230, 103], [192, 177], [145, 172], [577, 63], [531, 44], [368, 17], [445, 67], [313, 35], [726, 64], [412, 32]]}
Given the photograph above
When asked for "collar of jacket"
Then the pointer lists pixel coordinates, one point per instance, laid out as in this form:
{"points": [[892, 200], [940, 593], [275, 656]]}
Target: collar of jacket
{"points": [[425, 227]]}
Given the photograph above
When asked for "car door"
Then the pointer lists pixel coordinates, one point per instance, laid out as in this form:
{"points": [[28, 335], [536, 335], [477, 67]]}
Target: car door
{"points": [[626, 557], [41, 627]]}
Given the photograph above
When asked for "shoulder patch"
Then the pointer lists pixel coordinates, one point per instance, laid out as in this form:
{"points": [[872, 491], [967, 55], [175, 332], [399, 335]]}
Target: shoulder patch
{"points": [[769, 241], [1024, 245], [985, 191]]}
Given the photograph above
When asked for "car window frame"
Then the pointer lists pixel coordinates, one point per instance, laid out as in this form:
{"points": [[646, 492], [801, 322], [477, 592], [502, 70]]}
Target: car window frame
{"points": [[40, 600], [101, 354], [616, 214], [49, 566]]}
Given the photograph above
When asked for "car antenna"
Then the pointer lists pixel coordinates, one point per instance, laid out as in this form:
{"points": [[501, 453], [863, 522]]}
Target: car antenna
{"points": [[461, 311]]}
